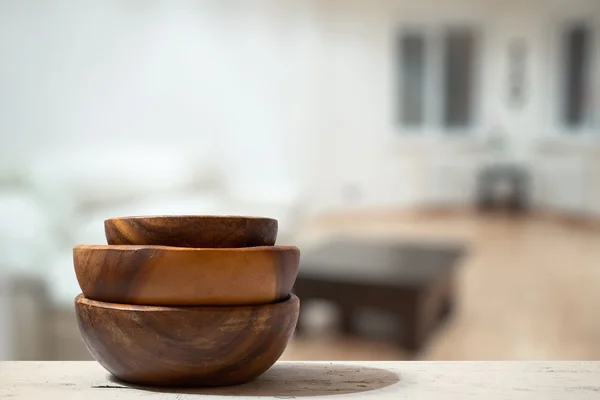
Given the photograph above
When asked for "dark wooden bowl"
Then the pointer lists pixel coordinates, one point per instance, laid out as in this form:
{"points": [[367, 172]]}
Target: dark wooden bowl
{"points": [[167, 276], [198, 231], [186, 346]]}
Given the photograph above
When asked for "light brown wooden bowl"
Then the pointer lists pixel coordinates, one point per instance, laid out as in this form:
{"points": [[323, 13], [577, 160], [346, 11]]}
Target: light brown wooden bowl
{"points": [[166, 276], [186, 346], [196, 231]]}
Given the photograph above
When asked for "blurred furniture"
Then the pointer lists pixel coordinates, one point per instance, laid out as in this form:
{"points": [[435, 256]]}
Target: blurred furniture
{"points": [[25, 312], [59, 199], [5, 321], [414, 281], [506, 186], [33, 327], [367, 380]]}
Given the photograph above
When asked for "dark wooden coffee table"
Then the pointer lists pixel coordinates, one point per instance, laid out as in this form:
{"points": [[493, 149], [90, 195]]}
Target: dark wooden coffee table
{"points": [[414, 281]]}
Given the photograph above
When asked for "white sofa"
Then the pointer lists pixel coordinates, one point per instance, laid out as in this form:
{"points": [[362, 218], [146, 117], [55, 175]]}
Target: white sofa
{"points": [[63, 199]]}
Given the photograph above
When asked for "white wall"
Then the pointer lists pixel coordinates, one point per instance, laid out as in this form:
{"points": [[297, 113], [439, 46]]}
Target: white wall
{"points": [[275, 93], [394, 167], [227, 82]]}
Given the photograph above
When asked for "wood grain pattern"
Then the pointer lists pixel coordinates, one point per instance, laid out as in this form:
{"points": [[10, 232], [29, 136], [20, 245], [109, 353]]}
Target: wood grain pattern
{"points": [[161, 275], [186, 346], [197, 231]]}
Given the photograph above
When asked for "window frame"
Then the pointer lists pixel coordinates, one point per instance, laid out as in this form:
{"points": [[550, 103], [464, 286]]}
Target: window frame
{"points": [[401, 71]]}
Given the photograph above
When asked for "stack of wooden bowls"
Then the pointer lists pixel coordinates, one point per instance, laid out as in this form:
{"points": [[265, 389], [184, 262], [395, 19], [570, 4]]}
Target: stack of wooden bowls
{"points": [[187, 300]]}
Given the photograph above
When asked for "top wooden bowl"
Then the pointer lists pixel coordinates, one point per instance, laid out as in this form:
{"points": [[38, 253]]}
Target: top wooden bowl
{"points": [[198, 231]]}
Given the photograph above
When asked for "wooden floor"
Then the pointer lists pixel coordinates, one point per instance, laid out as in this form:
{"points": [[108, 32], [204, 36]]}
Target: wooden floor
{"points": [[529, 290]]}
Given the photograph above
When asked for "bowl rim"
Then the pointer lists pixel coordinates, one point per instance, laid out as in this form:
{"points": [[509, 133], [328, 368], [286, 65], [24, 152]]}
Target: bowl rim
{"points": [[191, 216], [142, 247], [80, 299]]}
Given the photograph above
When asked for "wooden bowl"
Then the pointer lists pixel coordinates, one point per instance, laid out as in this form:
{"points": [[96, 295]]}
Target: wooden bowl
{"points": [[167, 276], [198, 231], [186, 346]]}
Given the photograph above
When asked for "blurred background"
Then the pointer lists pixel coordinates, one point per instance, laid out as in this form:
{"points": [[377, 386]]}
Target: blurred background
{"points": [[444, 153]]}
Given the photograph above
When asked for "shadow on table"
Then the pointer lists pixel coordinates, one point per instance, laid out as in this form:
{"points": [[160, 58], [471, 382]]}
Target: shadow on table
{"points": [[294, 380]]}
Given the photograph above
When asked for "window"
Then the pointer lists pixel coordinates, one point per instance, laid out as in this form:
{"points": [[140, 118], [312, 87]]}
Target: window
{"points": [[437, 75], [576, 55], [458, 78], [412, 49]]}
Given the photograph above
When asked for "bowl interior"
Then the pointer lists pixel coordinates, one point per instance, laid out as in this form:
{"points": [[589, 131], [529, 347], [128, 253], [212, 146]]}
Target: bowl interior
{"points": [[192, 230]]}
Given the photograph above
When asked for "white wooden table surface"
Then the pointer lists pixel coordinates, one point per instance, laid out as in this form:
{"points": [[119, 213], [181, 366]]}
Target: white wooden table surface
{"points": [[364, 380]]}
